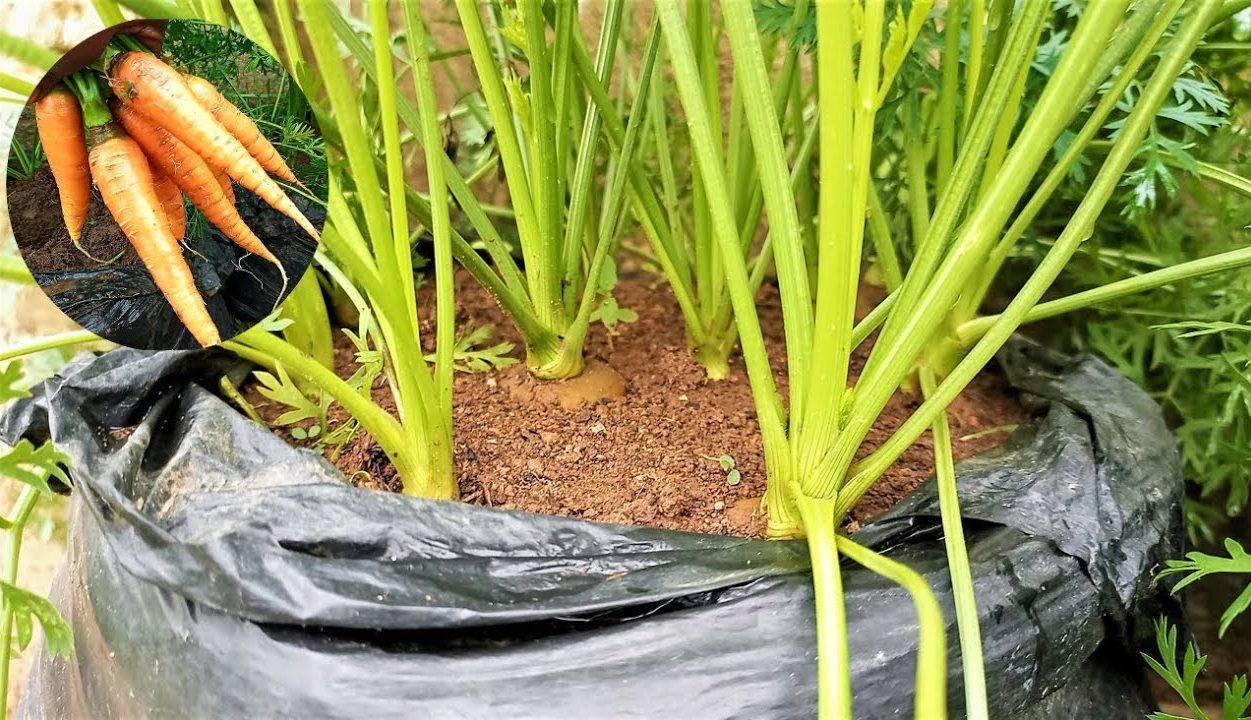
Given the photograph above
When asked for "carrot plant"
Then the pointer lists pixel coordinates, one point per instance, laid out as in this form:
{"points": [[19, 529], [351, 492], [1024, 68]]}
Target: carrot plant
{"points": [[686, 251], [566, 246], [368, 235], [548, 133], [368, 254], [971, 194], [975, 164]]}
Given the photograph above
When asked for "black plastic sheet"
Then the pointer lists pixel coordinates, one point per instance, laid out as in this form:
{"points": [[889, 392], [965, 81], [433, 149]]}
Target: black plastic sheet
{"points": [[215, 571], [123, 304]]}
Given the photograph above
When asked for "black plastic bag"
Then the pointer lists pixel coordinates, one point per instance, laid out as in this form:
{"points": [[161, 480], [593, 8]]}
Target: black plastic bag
{"points": [[123, 304], [215, 571]]}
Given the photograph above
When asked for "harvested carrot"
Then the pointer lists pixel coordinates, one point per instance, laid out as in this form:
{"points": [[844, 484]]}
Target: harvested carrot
{"points": [[59, 120], [195, 179], [121, 172], [156, 90], [223, 181], [171, 202], [241, 126]]}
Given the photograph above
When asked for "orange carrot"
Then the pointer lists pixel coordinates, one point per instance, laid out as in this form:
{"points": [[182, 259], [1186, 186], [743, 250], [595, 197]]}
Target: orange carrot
{"points": [[195, 179], [121, 173], [60, 124], [156, 90], [241, 126], [171, 202], [223, 181]]}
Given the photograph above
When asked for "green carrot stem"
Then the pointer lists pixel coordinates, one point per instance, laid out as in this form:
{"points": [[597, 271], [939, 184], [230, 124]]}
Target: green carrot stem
{"points": [[161, 9], [24, 50], [109, 12], [253, 24], [47, 342], [883, 246], [949, 96], [1141, 32], [445, 303], [775, 179], [833, 652], [583, 185], [86, 88], [16, 85], [889, 364], [930, 693], [1231, 260], [1176, 55], [963, 592]]}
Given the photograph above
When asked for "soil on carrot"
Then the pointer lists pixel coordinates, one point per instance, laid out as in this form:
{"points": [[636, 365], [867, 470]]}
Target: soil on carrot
{"points": [[35, 211], [638, 437]]}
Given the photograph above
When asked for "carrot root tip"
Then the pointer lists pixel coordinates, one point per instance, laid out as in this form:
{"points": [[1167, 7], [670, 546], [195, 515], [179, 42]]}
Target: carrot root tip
{"points": [[93, 258]]}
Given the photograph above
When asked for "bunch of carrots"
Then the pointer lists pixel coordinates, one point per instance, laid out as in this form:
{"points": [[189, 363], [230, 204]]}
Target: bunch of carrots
{"points": [[161, 136]]}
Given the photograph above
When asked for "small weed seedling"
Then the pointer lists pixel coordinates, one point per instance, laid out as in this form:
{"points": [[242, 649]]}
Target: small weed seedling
{"points": [[732, 475], [727, 464]]}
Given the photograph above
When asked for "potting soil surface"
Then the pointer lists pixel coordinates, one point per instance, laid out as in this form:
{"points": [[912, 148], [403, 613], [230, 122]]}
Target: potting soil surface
{"points": [[640, 436]]}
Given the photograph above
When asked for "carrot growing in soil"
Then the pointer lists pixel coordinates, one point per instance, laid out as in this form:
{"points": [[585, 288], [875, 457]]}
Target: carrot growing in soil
{"points": [[121, 173], [153, 88], [60, 123], [196, 180], [242, 127]]}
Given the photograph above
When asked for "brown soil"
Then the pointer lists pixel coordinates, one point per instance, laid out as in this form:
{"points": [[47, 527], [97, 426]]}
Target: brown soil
{"points": [[643, 449], [35, 211]]}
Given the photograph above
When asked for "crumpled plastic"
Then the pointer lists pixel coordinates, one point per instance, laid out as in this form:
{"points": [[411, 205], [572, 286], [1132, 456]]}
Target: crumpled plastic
{"points": [[215, 571]]}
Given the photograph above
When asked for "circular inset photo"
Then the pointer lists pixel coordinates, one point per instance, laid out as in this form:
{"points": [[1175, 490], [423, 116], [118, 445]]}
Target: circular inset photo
{"points": [[167, 184]]}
